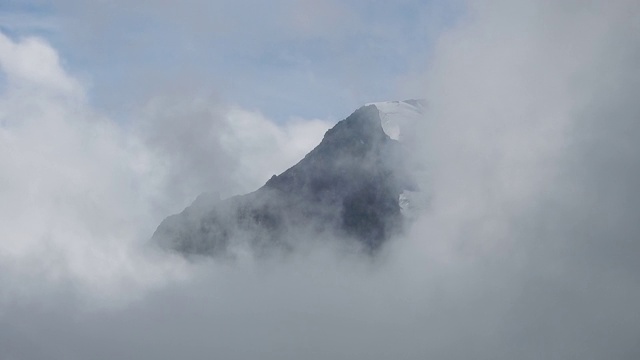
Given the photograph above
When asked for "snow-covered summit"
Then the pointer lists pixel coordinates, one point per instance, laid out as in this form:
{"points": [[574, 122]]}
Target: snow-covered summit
{"points": [[397, 116]]}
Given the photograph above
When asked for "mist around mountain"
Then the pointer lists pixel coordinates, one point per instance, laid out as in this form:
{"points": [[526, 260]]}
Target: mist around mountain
{"points": [[348, 188]]}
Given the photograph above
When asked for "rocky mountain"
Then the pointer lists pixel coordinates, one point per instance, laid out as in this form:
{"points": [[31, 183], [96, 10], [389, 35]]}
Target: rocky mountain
{"points": [[350, 186]]}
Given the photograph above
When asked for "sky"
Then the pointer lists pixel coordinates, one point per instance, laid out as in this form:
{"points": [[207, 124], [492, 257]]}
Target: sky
{"points": [[115, 114], [308, 58]]}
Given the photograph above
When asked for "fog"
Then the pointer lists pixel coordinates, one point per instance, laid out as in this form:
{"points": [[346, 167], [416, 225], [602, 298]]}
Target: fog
{"points": [[527, 249]]}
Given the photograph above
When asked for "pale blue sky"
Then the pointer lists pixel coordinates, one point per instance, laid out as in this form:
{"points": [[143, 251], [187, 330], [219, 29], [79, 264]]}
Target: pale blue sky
{"points": [[314, 59]]}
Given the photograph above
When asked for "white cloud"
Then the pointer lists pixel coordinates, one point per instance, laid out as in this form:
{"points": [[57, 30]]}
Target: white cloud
{"points": [[213, 147], [81, 193], [31, 62], [76, 189]]}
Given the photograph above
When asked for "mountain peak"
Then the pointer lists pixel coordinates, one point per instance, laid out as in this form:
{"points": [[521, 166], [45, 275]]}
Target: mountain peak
{"points": [[348, 187]]}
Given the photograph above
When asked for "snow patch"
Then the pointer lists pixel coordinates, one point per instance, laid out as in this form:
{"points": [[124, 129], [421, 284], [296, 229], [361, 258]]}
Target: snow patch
{"points": [[397, 116], [399, 120]]}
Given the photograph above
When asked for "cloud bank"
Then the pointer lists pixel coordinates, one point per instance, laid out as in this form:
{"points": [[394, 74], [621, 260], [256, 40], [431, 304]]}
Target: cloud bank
{"points": [[527, 250]]}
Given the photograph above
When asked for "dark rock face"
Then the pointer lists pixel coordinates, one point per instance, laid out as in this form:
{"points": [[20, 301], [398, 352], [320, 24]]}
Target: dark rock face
{"points": [[348, 186]]}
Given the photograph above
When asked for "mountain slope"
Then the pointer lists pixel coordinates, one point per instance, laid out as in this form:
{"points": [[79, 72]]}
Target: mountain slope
{"points": [[348, 187]]}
